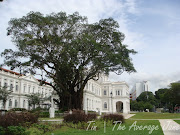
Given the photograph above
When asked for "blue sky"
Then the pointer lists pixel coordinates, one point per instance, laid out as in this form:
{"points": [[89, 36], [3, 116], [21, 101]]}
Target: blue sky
{"points": [[151, 27]]}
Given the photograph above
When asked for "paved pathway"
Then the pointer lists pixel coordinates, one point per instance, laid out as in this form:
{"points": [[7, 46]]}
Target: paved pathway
{"points": [[127, 116], [53, 120], [170, 127]]}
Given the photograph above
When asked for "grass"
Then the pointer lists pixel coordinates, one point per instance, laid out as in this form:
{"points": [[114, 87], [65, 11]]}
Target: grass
{"points": [[152, 115], [126, 128], [178, 121]]}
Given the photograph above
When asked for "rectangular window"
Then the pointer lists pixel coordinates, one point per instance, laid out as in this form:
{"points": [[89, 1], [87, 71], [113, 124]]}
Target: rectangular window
{"points": [[33, 89], [10, 103], [16, 103], [29, 89], [5, 84], [24, 88], [16, 87], [104, 92], [11, 87]]}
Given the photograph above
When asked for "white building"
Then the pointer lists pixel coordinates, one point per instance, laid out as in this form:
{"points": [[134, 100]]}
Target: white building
{"points": [[21, 85], [107, 97], [99, 96], [138, 88]]}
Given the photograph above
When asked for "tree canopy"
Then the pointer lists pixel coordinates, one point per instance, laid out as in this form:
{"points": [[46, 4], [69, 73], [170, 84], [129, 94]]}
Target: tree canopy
{"points": [[69, 50], [147, 96]]}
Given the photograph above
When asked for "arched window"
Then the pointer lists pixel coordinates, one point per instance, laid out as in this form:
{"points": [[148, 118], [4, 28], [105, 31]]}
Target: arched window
{"points": [[105, 105], [10, 103], [104, 92]]}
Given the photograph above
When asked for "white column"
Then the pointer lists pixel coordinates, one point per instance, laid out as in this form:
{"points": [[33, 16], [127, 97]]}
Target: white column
{"points": [[125, 110], [2, 81]]}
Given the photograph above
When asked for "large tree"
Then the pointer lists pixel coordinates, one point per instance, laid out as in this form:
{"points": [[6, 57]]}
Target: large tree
{"points": [[160, 96], [147, 96], [69, 50]]}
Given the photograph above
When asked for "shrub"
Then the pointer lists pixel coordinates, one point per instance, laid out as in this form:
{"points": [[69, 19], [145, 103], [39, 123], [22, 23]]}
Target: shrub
{"points": [[76, 116], [59, 111], [79, 116], [16, 130], [34, 131], [15, 119], [44, 114], [17, 109], [113, 117], [43, 127], [91, 116], [2, 131]]}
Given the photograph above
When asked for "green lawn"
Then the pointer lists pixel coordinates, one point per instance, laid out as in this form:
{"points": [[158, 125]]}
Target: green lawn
{"points": [[152, 115], [178, 121], [129, 129]]}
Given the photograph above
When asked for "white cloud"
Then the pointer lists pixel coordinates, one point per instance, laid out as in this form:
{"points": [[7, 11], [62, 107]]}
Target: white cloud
{"points": [[93, 9], [156, 81]]}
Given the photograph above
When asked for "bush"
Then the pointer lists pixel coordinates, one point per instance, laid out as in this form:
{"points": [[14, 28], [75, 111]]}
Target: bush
{"points": [[17, 109], [113, 117], [59, 111], [2, 131], [91, 116], [16, 130], [76, 116], [44, 114], [79, 116], [43, 127], [34, 131], [15, 119]]}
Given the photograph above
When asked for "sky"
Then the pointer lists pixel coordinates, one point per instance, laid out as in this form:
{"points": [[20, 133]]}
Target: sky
{"points": [[151, 27]]}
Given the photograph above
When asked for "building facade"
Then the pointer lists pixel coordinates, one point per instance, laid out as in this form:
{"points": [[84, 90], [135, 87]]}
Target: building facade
{"points": [[101, 96], [106, 97], [20, 86]]}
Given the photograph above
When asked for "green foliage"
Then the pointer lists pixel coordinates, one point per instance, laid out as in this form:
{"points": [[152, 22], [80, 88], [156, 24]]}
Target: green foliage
{"points": [[35, 99], [16, 130], [44, 114], [175, 93], [4, 94], [34, 131], [43, 127], [169, 98], [137, 106], [17, 109], [147, 97], [2, 131], [160, 95], [68, 50]]}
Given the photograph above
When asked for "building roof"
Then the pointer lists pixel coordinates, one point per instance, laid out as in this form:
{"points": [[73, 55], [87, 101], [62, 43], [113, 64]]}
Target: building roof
{"points": [[12, 72]]}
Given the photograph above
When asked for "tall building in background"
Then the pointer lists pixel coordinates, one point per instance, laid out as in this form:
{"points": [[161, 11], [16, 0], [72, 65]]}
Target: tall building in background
{"points": [[138, 88]]}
